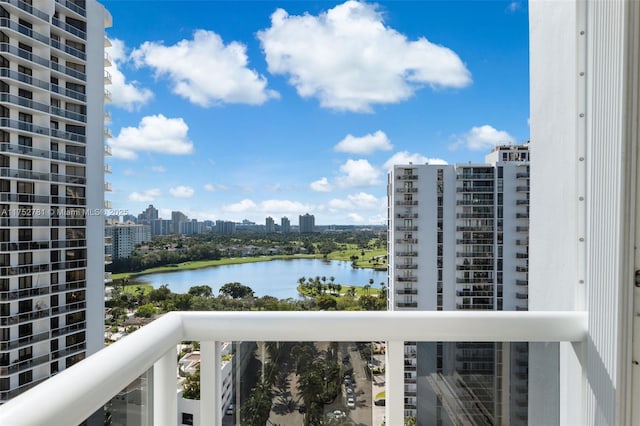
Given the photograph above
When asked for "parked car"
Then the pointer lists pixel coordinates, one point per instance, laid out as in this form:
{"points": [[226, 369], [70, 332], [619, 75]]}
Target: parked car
{"points": [[230, 409], [351, 403], [339, 414], [380, 402]]}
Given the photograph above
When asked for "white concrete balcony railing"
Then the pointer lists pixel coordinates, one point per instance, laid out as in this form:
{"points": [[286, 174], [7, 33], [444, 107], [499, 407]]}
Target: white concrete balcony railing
{"points": [[74, 394]]}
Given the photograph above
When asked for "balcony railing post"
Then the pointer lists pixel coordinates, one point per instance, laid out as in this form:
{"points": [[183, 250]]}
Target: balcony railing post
{"points": [[165, 395], [394, 394], [210, 384]]}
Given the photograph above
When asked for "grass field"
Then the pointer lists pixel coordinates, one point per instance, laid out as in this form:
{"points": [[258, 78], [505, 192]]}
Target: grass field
{"points": [[360, 291], [371, 259], [133, 288]]}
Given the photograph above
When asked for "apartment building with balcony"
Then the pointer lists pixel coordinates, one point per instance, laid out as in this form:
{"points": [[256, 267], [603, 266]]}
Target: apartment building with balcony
{"points": [[458, 240], [125, 237], [51, 182]]}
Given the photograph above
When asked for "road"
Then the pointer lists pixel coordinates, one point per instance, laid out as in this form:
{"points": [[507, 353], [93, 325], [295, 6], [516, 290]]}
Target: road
{"points": [[361, 415]]}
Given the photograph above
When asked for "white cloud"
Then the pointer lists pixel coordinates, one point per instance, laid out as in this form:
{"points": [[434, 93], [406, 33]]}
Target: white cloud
{"points": [[358, 173], [273, 207], [213, 187], [158, 169], [482, 138], [127, 95], [155, 133], [182, 191], [366, 144], [404, 157], [321, 185], [355, 218], [380, 219], [245, 205], [282, 206], [349, 60], [206, 71], [144, 196], [360, 201]]}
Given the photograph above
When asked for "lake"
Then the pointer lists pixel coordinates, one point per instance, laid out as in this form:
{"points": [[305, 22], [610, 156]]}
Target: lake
{"points": [[278, 278]]}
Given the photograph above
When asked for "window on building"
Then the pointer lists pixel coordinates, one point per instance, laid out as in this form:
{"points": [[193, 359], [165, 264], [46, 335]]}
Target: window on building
{"points": [[187, 419], [25, 377]]}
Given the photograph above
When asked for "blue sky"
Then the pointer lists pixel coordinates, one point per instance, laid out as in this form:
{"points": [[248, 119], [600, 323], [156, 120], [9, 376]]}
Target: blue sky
{"points": [[239, 110]]}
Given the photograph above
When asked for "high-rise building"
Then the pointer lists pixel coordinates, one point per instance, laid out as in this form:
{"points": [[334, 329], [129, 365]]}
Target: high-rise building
{"points": [[458, 240], [177, 218], [270, 225], [125, 237], [306, 223], [160, 226], [52, 187], [285, 225], [191, 227], [225, 227], [148, 215]]}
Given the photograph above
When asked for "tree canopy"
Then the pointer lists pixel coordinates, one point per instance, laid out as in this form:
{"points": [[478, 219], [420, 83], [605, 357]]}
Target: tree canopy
{"points": [[236, 290]]}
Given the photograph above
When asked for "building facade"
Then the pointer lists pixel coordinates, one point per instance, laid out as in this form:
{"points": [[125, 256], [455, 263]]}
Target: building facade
{"points": [[458, 240], [225, 227], [148, 215], [125, 237], [177, 219], [270, 225], [306, 223], [51, 183], [285, 225]]}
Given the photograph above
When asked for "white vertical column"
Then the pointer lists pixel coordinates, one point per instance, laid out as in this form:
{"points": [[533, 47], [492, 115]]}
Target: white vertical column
{"points": [[394, 393], [165, 391], [210, 384]]}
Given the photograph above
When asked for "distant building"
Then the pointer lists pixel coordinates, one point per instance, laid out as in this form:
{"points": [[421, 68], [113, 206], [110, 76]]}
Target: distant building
{"points": [[161, 227], [307, 223], [129, 218], [285, 225], [270, 225], [177, 218], [148, 215], [125, 237], [225, 227], [191, 227]]}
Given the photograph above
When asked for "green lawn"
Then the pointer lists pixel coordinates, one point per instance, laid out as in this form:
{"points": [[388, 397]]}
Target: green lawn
{"points": [[371, 259], [133, 288], [360, 291]]}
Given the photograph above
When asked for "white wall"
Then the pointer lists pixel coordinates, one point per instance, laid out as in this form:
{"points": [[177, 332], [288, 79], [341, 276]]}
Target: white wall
{"points": [[579, 240]]}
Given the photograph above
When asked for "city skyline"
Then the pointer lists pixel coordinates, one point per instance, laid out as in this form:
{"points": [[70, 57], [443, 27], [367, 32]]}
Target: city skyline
{"points": [[288, 138]]}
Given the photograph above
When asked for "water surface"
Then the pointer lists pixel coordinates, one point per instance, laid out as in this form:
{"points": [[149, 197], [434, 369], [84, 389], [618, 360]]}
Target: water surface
{"points": [[278, 278]]}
